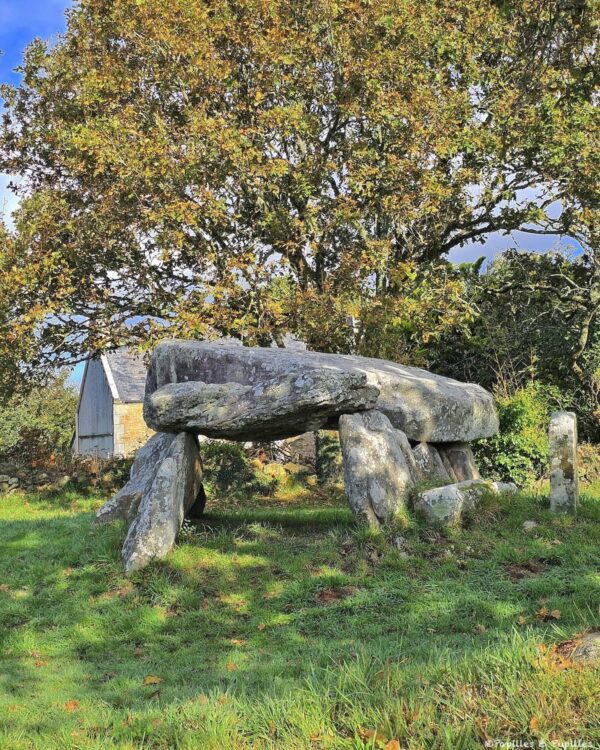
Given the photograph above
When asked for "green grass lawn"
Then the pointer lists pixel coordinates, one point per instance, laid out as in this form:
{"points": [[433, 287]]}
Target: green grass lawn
{"points": [[283, 625]]}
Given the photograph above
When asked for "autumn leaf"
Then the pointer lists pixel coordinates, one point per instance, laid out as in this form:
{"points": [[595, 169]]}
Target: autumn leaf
{"points": [[41, 663], [262, 626], [392, 745], [533, 724], [71, 706], [231, 666], [371, 735], [152, 679], [544, 614], [335, 593], [521, 620]]}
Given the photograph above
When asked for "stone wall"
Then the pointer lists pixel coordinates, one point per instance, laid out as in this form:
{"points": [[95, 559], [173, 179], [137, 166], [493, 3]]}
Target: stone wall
{"points": [[130, 430]]}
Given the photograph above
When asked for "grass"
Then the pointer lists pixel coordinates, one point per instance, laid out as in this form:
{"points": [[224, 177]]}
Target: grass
{"points": [[282, 625]]}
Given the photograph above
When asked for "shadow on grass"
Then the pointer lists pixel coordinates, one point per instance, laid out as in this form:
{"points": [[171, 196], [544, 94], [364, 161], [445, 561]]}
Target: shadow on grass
{"points": [[239, 606]]}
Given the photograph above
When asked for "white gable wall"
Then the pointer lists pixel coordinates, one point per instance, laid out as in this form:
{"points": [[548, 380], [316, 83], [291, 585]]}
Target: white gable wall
{"points": [[95, 414]]}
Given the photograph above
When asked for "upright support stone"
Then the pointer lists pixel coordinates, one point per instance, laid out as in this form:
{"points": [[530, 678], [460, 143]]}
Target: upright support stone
{"points": [[430, 467], [124, 505], [563, 462], [176, 487], [459, 461], [378, 472]]}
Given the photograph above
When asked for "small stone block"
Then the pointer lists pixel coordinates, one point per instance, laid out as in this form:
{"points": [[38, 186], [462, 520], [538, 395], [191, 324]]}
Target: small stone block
{"points": [[563, 462]]}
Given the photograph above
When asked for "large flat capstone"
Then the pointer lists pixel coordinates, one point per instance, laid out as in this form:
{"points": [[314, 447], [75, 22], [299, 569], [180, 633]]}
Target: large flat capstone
{"points": [[424, 406], [269, 410]]}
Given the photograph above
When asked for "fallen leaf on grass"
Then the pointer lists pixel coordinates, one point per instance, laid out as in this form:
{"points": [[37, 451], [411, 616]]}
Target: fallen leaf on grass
{"points": [[545, 615], [521, 620], [368, 735], [262, 626], [71, 706], [534, 723], [392, 745], [152, 679], [4, 587], [335, 593], [41, 663], [231, 666]]}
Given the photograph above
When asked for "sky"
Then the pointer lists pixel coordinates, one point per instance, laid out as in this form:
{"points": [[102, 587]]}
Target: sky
{"points": [[23, 20]]}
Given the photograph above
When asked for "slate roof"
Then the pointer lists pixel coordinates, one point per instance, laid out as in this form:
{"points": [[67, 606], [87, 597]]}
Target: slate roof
{"points": [[128, 373]]}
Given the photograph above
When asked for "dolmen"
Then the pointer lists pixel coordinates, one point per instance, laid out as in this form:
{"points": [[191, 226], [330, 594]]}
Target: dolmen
{"points": [[398, 426]]}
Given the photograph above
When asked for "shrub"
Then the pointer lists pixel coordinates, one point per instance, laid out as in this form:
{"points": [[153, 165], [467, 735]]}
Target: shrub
{"points": [[227, 468], [519, 452], [40, 423]]}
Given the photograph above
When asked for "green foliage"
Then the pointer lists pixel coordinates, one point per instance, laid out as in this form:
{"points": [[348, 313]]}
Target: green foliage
{"points": [[536, 320], [328, 457], [287, 628], [519, 452], [39, 423], [228, 469], [256, 167]]}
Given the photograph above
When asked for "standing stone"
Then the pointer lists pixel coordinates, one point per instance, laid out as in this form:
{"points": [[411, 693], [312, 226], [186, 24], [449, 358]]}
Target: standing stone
{"points": [[563, 462], [175, 488], [459, 461], [124, 505], [430, 467], [377, 470]]}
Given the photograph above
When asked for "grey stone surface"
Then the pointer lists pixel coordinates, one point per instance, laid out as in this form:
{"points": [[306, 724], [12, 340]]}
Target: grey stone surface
{"points": [[377, 474], [587, 648], [174, 489], [459, 461], [446, 505], [270, 409], [424, 406], [430, 467], [124, 504], [564, 487]]}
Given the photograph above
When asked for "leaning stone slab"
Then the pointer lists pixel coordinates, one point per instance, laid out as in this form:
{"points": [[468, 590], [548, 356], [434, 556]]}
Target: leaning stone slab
{"points": [[426, 407], [459, 461], [447, 505], [377, 472], [174, 490], [430, 467], [124, 505], [564, 487], [270, 409]]}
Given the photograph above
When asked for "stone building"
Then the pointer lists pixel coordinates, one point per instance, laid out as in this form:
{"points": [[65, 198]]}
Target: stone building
{"points": [[109, 416]]}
